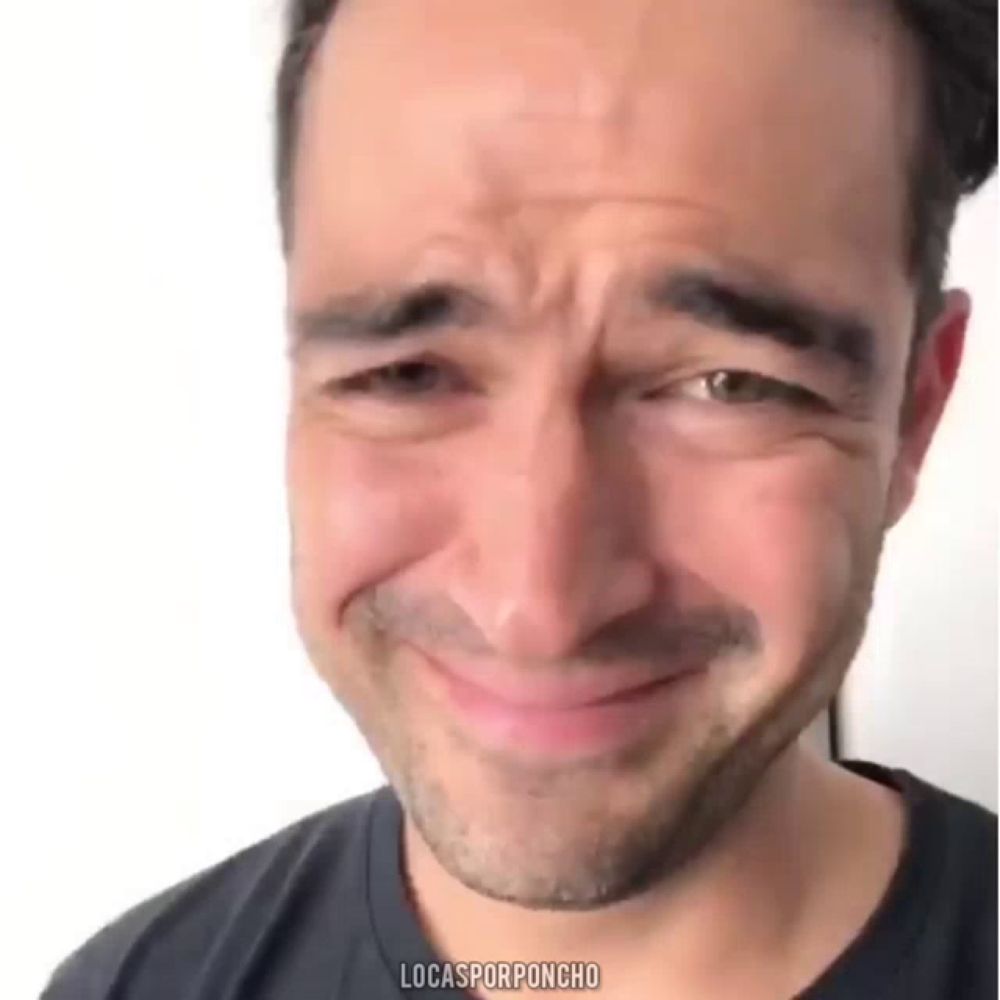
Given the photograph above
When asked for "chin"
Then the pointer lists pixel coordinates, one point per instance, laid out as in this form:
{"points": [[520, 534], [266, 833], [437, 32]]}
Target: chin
{"points": [[574, 837]]}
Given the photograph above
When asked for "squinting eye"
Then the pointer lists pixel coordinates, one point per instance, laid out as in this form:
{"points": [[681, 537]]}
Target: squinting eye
{"points": [[402, 379], [735, 387]]}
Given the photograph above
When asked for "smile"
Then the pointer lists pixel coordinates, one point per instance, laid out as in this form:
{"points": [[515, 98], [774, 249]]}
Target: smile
{"points": [[557, 716]]}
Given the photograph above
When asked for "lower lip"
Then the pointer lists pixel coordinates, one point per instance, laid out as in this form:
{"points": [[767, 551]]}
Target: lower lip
{"points": [[560, 732]]}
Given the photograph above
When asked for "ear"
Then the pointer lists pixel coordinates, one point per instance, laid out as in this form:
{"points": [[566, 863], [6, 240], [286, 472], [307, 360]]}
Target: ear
{"points": [[933, 372]]}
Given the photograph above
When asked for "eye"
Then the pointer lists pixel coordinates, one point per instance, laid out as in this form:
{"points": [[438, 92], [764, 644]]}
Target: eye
{"points": [[402, 379], [735, 388]]}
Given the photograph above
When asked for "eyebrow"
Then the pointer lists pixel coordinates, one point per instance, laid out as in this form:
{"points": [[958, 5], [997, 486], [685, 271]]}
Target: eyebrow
{"points": [[732, 305], [781, 316], [386, 314]]}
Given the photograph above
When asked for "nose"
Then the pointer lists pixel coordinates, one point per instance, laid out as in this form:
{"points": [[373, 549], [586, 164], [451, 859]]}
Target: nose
{"points": [[550, 548]]}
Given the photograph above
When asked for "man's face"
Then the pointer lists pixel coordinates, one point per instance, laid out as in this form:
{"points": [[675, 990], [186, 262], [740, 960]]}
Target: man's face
{"points": [[600, 321]]}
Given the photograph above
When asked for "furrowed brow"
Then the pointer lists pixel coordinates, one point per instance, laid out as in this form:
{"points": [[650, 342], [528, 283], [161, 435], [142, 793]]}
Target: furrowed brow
{"points": [[780, 316], [386, 314]]}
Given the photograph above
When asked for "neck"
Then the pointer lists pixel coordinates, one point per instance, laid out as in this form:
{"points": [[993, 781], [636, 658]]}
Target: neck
{"points": [[768, 902]]}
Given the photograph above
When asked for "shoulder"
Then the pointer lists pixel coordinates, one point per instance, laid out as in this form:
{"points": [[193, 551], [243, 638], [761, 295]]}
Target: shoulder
{"points": [[963, 836], [948, 884], [960, 939], [952, 839], [966, 903], [960, 832], [186, 929]]}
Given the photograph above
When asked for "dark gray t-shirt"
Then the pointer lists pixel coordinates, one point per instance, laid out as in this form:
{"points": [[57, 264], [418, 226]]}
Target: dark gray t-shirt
{"points": [[318, 911]]}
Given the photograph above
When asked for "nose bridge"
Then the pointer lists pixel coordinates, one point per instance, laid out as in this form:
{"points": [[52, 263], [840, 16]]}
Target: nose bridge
{"points": [[551, 540], [556, 486]]}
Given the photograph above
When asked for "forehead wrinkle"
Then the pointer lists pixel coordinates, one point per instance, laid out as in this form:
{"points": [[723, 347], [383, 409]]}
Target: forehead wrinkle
{"points": [[533, 230], [564, 99], [508, 160], [597, 111]]}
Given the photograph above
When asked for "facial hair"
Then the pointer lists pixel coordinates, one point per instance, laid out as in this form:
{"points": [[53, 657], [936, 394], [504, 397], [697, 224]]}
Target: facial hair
{"points": [[571, 851]]}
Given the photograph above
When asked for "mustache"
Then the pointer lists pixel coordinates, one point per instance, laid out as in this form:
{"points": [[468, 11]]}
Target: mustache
{"points": [[435, 622]]}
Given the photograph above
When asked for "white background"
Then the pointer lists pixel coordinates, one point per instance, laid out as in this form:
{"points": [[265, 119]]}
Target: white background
{"points": [[156, 712]]}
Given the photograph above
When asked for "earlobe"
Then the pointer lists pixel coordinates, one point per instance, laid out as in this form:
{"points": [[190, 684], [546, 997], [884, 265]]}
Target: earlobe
{"points": [[933, 377]]}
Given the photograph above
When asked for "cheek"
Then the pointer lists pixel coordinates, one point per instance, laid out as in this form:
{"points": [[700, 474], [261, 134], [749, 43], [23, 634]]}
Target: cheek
{"points": [[360, 513], [789, 538]]}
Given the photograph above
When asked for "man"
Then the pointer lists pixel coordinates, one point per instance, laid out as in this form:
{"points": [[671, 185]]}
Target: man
{"points": [[617, 341]]}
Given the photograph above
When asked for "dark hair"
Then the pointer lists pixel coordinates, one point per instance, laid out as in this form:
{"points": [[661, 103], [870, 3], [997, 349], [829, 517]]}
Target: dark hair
{"points": [[957, 149]]}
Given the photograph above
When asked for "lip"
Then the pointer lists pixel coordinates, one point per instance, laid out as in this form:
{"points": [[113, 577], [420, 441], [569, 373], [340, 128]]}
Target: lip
{"points": [[552, 715]]}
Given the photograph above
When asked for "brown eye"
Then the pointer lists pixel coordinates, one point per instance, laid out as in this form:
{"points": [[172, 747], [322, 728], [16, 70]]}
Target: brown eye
{"points": [[403, 379], [409, 378], [734, 387]]}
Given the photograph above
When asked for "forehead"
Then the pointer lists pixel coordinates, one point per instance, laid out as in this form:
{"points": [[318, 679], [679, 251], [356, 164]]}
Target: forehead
{"points": [[778, 131]]}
